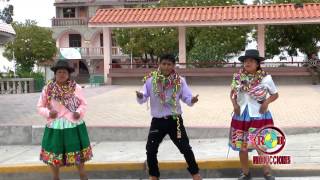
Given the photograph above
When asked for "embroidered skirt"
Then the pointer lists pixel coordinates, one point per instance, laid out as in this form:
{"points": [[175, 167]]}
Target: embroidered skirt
{"points": [[65, 143], [244, 128]]}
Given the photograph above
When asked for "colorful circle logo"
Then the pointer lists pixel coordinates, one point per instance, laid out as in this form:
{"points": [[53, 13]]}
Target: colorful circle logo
{"points": [[270, 140]]}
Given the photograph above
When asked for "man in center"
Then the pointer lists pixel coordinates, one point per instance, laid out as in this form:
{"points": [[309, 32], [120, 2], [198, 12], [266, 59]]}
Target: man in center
{"points": [[165, 87]]}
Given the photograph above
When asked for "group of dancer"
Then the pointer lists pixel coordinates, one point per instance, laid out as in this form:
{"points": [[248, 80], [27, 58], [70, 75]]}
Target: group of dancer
{"points": [[66, 142]]}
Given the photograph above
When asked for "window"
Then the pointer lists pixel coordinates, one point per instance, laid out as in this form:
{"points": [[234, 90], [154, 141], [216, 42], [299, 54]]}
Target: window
{"points": [[69, 12], [74, 40]]}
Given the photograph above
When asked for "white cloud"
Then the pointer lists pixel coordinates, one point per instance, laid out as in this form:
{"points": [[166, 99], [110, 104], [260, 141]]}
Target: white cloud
{"points": [[40, 10]]}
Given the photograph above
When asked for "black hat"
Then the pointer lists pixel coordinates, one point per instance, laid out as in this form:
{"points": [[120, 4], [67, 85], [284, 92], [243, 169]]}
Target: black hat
{"points": [[62, 64], [251, 53]]}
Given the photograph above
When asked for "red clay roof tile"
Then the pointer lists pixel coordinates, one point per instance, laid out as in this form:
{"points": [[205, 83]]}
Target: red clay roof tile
{"points": [[209, 14]]}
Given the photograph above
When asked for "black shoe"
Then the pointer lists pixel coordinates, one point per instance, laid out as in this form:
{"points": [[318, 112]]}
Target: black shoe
{"points": [[244, 176], [269, 177]]}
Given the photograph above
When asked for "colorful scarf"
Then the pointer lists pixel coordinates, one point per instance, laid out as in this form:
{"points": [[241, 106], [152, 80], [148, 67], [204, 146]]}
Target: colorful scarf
{"points": [[64, 94], [161, 84], [250, 83]]}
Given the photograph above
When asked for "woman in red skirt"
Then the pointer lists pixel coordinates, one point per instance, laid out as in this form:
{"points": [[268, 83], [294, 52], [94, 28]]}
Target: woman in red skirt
{"points": [[252, 92]]}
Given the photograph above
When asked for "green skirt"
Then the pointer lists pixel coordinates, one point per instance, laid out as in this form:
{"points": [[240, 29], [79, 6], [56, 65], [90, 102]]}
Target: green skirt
{"points": [[65, 143]]}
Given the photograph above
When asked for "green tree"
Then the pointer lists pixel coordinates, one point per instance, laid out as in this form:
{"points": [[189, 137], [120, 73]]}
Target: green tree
{"points": [[32, 45], [143, 41], [203, 44], [199, 2], [292, 38], [217, 44], [6, 13], [284, 1]]}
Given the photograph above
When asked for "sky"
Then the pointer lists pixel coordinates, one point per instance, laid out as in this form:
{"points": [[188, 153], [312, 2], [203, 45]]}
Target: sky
{"points": [[40, 10]]}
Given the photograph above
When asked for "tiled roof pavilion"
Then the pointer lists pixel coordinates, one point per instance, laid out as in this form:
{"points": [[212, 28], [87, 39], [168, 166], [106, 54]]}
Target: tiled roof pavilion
{"points": [[182, 17], [210, 15]]}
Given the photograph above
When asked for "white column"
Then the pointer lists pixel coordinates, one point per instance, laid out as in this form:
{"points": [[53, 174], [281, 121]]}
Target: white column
{"points": [[25, 87], [31, 86], [89, 52], [58, 49], [57, 43], [182, 46], [261, 39], [19, 91], [87, 45], [107, 54], [14, 88]]}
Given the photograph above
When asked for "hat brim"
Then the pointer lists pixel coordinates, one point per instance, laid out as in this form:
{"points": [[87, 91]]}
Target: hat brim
{"points": [[242, 58], [69, 69]]}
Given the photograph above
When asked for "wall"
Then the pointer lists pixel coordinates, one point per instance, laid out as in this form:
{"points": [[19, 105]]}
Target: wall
{"points": [[95, 42], [64, 40], [4, 63], [75, 65], [92, 10], [100, 69]]}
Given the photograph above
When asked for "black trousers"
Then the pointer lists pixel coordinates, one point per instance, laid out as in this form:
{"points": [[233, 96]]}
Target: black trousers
{"points": [[160, 127]]}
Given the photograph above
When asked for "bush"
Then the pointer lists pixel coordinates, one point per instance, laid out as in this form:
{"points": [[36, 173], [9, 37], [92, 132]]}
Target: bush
{"points": [[9, 74], [35, 75], [39, 80]]}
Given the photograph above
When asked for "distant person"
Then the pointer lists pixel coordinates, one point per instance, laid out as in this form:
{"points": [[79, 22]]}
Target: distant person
{"points": [[314, 68]]}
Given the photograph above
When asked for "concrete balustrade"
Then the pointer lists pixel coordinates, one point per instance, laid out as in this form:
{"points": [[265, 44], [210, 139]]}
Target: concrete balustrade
{"points": [[16, 85]]}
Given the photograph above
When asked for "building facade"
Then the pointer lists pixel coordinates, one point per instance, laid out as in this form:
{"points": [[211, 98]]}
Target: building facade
{"points": [[83, 45]]}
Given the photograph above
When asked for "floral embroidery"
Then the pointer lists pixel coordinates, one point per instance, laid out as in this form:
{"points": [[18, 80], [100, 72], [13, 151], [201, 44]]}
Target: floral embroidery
{"points": [[67, 159]]}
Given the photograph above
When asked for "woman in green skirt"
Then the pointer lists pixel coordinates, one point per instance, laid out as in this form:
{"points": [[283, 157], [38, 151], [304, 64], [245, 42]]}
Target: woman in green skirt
{"points": [[65, 141]]}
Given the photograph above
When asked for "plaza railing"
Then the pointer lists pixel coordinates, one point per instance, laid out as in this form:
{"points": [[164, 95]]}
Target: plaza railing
{"points": [[16, 85], [206, 65], [69, 21]]}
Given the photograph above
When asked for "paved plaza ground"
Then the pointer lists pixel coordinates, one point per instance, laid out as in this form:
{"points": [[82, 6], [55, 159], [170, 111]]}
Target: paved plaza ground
{"points": [[304, 149], [115, 106], [298, 106]]}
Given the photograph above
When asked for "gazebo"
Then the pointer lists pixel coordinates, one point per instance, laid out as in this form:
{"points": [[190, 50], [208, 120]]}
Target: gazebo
{"points": [[183, 17]]}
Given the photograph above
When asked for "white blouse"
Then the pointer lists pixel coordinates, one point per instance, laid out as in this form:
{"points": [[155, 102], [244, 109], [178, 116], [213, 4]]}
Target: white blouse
{"points": [[244, 99]]}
